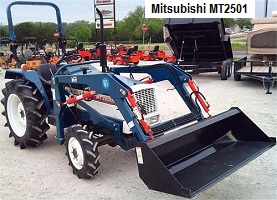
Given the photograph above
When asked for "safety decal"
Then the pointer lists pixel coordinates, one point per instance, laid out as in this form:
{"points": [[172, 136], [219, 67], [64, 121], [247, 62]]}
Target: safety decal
{"points": [[105, 83], [139, 155], [74, 79]]}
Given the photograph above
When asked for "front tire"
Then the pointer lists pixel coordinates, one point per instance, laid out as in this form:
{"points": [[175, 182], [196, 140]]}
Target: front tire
{"points": [[25, 112], [82, 152]]}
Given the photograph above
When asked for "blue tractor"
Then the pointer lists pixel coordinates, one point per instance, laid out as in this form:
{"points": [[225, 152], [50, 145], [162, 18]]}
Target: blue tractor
{"points": [[91, 107]]}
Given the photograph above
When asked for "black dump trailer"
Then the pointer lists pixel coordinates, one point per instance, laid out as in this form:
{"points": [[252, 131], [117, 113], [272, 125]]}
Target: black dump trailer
{"points": [[200, 45]]}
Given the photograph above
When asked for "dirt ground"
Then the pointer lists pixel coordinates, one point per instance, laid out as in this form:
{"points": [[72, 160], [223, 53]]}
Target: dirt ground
{"points": [[43, 172]]}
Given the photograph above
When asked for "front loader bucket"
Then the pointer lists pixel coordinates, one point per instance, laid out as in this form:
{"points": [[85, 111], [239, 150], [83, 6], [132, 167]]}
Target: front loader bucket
{"points": [[189, 160]]}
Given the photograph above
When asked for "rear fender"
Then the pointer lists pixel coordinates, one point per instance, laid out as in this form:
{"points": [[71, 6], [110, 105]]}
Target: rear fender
{"points": [[31, 76]]}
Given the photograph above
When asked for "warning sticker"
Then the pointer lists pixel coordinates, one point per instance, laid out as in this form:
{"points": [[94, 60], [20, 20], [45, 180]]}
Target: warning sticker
{"points": [[139, 155]]}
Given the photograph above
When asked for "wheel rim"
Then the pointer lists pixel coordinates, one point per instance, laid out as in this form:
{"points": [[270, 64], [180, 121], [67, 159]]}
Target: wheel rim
{"points": [[17, 115], [75, 152]]}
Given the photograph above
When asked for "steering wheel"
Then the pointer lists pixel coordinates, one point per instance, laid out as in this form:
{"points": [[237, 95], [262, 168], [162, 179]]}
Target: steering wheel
{"points": [[73, 58]]}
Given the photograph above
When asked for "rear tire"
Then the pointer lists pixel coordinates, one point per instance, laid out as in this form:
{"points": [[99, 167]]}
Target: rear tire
{"points": [[25, 112], [82, 152]]}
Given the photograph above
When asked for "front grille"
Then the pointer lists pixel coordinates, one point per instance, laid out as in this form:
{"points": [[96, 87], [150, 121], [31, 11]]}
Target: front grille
{"points": [[146, 100]]}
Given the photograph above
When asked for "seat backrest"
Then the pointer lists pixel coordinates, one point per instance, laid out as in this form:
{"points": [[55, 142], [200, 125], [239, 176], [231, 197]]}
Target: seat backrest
{"points": [[80, 46], [156, 48], [97, 45], [130, 51], [28, 53], [46, 71], [136, 48]]}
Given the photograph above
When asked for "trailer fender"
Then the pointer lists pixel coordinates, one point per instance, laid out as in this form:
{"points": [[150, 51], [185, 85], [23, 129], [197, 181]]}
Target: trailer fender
{"points": [[31, 76]]}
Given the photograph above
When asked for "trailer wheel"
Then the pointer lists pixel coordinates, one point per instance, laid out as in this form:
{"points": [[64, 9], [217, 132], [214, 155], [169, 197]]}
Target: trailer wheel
{"points": [[229, 63], [25, 112], [82, 152], [224, 70], [237, 77]]}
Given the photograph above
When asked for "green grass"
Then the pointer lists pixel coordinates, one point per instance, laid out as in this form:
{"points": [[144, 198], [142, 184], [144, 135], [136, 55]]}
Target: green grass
{"points": [[238, 43], [163, 46], [238, 46], [235, 46]]}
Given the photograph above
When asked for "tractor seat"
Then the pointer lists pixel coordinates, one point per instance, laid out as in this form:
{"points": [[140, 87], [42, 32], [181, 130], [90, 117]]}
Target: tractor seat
{"points": [[80, 46], [28, 54], [130, 51], [114, 51], [49, 51], [156, 48], [135, 48], [97, 45], [152, 52], [46, 71], [125, 56]]}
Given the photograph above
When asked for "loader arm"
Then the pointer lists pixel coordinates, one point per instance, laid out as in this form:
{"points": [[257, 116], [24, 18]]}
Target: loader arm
{"points": [[176, 76], [119, 89], [102, 83]]}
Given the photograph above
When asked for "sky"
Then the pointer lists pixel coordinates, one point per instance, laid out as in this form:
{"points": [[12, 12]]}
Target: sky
{"points": [[73, 10]]}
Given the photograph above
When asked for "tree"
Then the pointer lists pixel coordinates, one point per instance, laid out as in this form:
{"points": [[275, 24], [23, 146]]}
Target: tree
{"points": [[25, 29], [155, 30], [229, 22], [3, 31], [129, 29], [83, 33], [44, 30], [244, 22], [131, 25]]}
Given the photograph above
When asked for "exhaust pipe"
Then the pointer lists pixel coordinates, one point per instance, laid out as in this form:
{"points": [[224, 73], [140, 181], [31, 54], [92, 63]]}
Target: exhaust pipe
{"points": [[103, 49]]}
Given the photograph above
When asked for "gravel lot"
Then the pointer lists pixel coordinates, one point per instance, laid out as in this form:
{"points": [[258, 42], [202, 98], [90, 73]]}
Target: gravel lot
{"points": [[43, 172]]}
